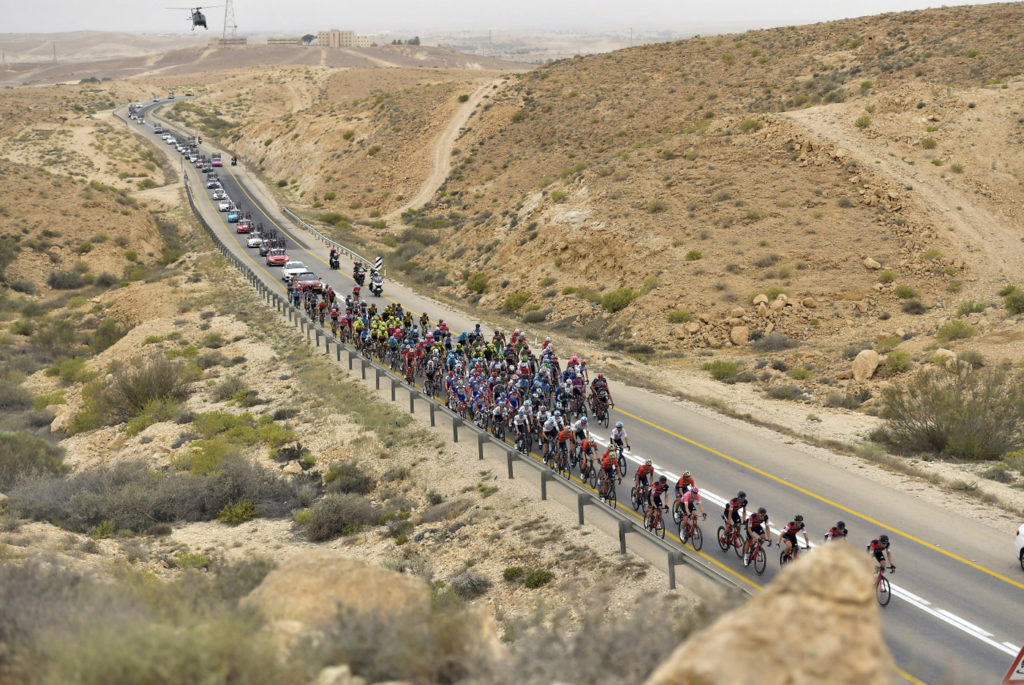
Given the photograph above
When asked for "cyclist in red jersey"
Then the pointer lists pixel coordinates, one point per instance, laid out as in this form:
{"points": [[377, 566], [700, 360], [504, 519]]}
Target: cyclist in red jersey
{"points": [[879, 547], [836, 532], [757, 527], [640, 480], [735, 511], [684, 483], [658, 488], [610, 466], [788, 533]]}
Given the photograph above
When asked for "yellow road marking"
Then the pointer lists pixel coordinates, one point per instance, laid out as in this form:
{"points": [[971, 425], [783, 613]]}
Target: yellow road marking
{"points": [[906, 676], [820, 498]]}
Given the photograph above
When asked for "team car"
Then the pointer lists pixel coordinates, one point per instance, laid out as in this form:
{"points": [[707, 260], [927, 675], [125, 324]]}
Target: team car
{"points": [[277, 257], [308, 280], [292, 269], [254, 240]]}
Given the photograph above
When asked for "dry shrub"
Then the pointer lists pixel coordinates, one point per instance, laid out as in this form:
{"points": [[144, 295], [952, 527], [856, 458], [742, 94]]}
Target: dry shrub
{"points": [[339, 514]]}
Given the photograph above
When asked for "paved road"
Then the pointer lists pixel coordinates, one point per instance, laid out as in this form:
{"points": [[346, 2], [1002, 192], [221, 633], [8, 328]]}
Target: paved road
{"points": [[958, 591]]}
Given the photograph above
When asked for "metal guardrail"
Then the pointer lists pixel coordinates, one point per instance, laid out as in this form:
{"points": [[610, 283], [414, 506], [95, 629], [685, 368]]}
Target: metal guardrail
{"points": [[354, 256]]}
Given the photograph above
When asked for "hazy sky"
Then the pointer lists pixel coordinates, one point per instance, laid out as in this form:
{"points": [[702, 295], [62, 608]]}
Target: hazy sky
{"points": [[411, 16]]}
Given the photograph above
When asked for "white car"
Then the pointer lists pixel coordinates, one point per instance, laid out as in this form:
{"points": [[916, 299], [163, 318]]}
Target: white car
{"points": [[224, 206], [292, 269], [219, 194], [1020, 545], [254, 240]]}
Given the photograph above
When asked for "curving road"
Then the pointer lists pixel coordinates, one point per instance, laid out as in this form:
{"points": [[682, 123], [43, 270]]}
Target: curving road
{"points": [[958, 592]]}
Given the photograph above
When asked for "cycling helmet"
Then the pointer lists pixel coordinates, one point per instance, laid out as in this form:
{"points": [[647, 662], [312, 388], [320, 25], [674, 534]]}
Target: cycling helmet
{"points": [[798, 517], [584, 419], [686, 474], [618, 424], [558, 413], [649, 462], [741, 494], [600, 375], [695, 490], [663, 479], [762, 510], [883, 538], [841, 526]]}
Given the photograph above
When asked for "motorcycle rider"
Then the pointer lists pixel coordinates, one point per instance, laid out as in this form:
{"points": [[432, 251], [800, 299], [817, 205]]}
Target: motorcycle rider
{"points": [[376, 282]]}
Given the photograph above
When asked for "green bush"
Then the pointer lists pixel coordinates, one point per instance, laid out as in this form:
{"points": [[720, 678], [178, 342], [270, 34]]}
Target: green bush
{"points": [[516, 300], [348, 477], [127, 392], [694, 255], [657, 206], [679, 316], [347, 135], [208, 456], [1014, 302], [897, 361], [13, 397], [538, 577], [338, 514], [960, 411], [954, 330], [232, 387], [107, 333], [862, 121], [887, 343], [886, 276], [618, 300], [513, 573], [69, 369], [800, 374], [558, 195], [155, 411], [237, 513], [749, 125], [721, 370], [536, 316], [970, 307], [464, 97], [65, 280], [477, 283], [44, 400], [929, 143], [23, 454], [905, 292]]}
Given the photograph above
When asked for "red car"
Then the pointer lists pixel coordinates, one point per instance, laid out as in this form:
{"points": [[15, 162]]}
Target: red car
{"points": [[244, 226], [308, 280], [199, 164], [276, 257]]}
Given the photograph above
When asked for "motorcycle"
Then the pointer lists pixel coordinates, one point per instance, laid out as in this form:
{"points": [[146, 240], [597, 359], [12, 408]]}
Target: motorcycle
{"points": [[376, 285], [333, 261], [359, 276]]}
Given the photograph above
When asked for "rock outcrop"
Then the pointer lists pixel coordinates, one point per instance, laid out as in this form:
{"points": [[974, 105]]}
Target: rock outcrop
{"points": [[310, 587], [817, 623], [865, 364]]}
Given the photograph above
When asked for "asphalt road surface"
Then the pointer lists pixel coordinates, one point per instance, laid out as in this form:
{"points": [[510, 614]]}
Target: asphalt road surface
{"points": [[958, 592]]}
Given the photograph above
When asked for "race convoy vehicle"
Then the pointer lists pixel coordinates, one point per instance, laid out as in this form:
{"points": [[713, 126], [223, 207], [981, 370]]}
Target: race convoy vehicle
{"points": [[215, 159], [292, 269], [308, 280], [277, 257], [254, 240]]}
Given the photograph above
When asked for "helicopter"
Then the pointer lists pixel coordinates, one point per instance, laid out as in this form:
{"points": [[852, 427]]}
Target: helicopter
{"points": [[196, 15]]}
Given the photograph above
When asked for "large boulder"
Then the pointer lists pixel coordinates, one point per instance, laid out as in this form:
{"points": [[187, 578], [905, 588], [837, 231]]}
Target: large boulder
{"points": [[872, 264], [739, 335], [865, 364], [309, 588], [818, 622]]}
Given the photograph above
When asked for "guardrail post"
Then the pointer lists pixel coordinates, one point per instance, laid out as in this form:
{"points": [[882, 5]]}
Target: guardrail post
{"points": [[363, 363], [327, 345], [337, 354], [674, 558], [394, 385], [412, 400], [481, 439], [624, 527], [582, 500], [309, 331], [377, 374], [433, 408], [545, 476], [351, 358], [510, 456], [318, 334], [456, 422]]}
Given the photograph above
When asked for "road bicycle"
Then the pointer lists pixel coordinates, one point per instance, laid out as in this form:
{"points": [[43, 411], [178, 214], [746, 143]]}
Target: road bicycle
{"points": [[639, 498], [608, 489], [655, 522], [562, 460], [734, 538], [619, 450], [690, 531], [524, 441], [883, 590], [757, 555], [786, 557], [588, 472]]}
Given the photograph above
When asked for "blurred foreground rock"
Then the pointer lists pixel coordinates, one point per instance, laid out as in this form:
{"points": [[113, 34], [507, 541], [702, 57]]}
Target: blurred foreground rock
{"points": [[818, 622]]}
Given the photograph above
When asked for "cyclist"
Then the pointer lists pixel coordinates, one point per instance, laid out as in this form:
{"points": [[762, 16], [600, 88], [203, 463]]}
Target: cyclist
{"points": [[618, 436], [789, 534], [566, 444], [599, 387], [684, 483], [757, 527], [836, 532], [879, 547], [580, 429], [690, 500], [735, 512], [640, 478], [610, 466], [658, 488], [587, 450]]}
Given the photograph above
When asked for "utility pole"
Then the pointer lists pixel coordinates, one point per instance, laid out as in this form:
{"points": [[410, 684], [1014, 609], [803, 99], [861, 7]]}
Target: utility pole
{"points": [[229, 19], [54, 51]]}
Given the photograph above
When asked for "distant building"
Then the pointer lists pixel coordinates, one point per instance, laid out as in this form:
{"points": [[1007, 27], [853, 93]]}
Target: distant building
{"points": [[285, 41], [342, 39]]}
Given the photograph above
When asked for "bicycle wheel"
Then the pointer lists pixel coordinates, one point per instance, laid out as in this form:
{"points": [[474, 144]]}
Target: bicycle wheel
{"points": [[634, 498], [738, 544], [659, 527], [697, 539], [677, 514], [622, 464], [783, 558], [883, 591], [760, 561], [723, 541], [612, 496]]}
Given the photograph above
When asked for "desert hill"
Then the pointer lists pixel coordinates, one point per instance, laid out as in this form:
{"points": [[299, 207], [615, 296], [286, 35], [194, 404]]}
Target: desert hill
{"points": [[662, 198]]}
